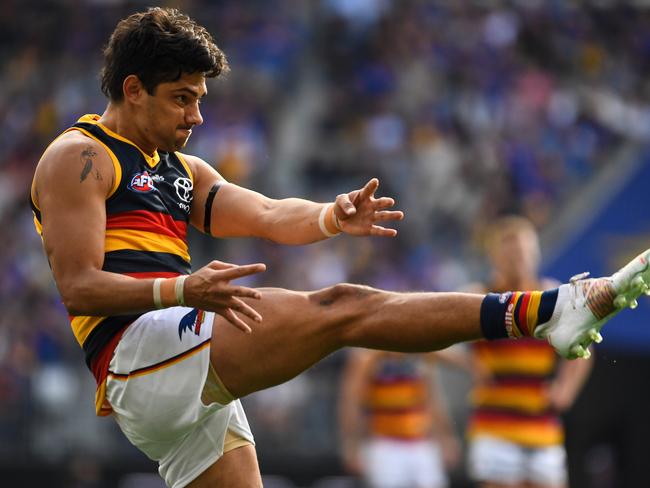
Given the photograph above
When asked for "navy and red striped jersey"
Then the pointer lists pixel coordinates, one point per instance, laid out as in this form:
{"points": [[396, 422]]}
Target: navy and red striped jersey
{"points": [[147, 214]]}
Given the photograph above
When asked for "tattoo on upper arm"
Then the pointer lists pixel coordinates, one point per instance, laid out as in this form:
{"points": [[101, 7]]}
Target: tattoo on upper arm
{"points": [[87, 156]]}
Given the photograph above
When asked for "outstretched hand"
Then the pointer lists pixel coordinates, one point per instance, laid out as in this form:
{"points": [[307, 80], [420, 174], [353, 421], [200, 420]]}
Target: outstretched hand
{"points": [[359, 212], [209, 288]]}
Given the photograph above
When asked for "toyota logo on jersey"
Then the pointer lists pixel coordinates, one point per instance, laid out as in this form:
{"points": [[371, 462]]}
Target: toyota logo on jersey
{"points": [[142, 183], [184, 189]]}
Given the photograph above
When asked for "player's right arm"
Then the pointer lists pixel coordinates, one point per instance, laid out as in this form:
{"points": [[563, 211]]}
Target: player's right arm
{"points": [[72, 181], [71, 184]]}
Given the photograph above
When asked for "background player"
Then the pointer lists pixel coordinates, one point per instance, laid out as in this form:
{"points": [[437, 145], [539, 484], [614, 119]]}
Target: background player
{"points": [[516, 435], [394, 427]]}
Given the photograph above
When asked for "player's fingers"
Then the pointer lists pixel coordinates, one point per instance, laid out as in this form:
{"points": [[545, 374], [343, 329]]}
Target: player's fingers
{"points": [[231, 316], [344, 203], [389, 215], [245, 309], [241, 291], [219, 265], [384, 202], [239, 271], [378, 230], [370, 189]]}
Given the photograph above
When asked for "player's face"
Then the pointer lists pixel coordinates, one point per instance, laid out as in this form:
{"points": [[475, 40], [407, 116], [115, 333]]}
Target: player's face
{"points": [[173, 110], [516, 254]]}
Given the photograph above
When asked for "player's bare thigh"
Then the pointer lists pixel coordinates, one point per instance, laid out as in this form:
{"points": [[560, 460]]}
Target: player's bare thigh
{"points": [[301, 328], [235, 469], [297, 330]]}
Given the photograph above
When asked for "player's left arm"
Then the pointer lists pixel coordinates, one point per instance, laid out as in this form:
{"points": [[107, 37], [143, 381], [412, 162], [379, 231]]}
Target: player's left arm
{"points": [[455, 356], [443, 429], [234, 211], [570, 378], [355, 378]]}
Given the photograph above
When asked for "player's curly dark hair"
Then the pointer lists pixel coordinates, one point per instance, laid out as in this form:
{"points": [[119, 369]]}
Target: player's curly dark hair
{"points": [[158, 46]]}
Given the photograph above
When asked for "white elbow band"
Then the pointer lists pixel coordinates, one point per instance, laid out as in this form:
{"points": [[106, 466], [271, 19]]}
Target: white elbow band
{"points": [[328, 222]]}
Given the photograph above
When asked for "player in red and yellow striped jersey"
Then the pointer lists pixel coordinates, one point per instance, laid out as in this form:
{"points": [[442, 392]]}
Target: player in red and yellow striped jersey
{"points": [[145, 236], [516, 435], [394, 429]]}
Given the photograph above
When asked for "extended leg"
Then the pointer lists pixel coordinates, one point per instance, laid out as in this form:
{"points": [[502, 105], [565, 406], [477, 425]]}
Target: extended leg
{"points": [[300, 328]]}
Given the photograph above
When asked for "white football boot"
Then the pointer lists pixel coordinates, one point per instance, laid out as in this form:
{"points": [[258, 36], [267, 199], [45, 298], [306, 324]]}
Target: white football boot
{"points": [[584, 305]]}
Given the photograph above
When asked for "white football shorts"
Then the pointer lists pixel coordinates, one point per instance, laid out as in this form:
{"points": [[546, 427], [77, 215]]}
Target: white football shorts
{"points": [[392, 463], [157, 388], [501, 461]]}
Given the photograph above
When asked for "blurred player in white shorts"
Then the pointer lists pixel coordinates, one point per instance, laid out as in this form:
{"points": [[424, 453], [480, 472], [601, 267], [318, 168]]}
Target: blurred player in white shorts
{"points": [[497, 462], [515, 432], [391, 463], [394, 428]]}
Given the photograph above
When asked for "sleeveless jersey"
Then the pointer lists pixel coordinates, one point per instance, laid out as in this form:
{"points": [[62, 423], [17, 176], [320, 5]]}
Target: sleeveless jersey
{"points": [[513, 405], [147, 213], [397, 400]]}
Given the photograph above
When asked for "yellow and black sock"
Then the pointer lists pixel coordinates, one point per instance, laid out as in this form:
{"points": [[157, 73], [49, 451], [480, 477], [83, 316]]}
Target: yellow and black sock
{"points": [[516, 314]]}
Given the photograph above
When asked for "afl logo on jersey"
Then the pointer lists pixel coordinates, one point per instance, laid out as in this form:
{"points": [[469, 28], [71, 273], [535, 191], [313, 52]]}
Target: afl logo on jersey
{"points": [[142, 183]]}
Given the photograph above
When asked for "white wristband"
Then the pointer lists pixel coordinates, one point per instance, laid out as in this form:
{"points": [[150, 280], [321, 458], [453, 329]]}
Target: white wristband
{"points": [[157, 301], [321, 221], [179, 289], [337, 222]]}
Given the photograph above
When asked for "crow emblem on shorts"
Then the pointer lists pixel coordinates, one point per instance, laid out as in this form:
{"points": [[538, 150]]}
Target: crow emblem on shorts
{"points": [[191, 322]]}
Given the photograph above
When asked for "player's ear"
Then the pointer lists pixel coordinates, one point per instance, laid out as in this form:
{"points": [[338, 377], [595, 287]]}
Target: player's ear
{"points": [[133, 89]]}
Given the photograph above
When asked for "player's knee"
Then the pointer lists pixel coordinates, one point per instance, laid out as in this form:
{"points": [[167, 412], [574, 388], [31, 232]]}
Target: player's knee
{"points": [[340, 294], [341, 308]]}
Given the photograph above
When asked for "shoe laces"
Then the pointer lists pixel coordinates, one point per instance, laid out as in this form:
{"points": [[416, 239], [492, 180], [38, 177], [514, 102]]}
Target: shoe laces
{"points": [[597, 293], [575, 288]]}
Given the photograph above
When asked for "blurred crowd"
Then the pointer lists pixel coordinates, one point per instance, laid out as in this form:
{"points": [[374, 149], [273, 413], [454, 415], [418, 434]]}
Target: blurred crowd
{"points": [[464, 110]]}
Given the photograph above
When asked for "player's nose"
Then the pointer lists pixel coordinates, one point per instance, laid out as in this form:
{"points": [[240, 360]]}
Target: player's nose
{"points": [[193, 115]]}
